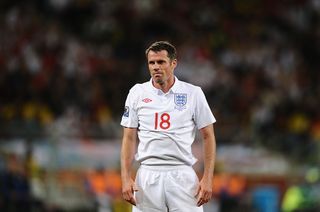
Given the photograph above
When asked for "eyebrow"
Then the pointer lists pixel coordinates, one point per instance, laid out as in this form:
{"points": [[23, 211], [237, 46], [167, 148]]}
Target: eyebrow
{"points": [[158, 61]]}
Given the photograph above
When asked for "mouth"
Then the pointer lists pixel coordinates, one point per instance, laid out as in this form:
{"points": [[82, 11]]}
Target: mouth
{"points": [[156, 75]]}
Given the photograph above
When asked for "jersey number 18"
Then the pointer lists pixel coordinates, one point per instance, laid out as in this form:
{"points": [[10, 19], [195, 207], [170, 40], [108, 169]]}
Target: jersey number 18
{"points": [[163, 123]]}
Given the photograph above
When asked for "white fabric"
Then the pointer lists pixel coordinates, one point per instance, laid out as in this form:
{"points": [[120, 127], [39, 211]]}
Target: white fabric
{"points": [[163, 189], [166, 123]]}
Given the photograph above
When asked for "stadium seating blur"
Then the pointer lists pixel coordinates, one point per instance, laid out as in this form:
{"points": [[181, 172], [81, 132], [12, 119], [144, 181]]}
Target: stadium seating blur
{"points": [[66, 67]]}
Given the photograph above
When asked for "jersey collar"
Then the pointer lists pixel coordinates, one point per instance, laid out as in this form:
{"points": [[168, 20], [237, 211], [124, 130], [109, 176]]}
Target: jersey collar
{"points": [[173, 89]]}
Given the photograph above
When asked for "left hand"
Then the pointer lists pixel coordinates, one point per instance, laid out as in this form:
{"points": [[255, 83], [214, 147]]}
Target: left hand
{"points": [[204, 191]]}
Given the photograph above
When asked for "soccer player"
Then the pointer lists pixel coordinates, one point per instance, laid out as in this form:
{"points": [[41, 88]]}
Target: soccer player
{"points": [[164, 114]]}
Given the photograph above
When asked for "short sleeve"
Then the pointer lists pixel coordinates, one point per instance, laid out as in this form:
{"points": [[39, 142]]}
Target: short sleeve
{"points": [[203, 115], [129, 117]]}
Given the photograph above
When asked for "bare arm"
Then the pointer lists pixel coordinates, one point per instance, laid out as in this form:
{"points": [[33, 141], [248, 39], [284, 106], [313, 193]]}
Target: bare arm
{"points": [[128, 149], [204, 191]]}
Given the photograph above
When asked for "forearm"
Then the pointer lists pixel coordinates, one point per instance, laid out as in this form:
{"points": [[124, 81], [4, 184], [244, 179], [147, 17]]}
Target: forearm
{"points": [[209, 152], [204, 190], [127, 153], [126, 161], [209, 158]]}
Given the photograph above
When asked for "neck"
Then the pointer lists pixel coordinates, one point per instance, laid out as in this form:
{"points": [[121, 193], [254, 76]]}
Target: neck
{"points": [[164, 86]]}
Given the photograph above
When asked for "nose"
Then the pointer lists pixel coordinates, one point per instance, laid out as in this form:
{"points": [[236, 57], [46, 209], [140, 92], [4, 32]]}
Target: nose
{"points": [[156, 67]]}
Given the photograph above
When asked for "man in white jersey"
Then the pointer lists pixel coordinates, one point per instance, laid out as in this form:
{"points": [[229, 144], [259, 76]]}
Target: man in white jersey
{"points": [[164, 114]]}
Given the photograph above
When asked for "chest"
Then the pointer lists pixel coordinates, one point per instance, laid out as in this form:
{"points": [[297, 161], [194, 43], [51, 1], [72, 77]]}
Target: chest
{"points": [[165, 112]]}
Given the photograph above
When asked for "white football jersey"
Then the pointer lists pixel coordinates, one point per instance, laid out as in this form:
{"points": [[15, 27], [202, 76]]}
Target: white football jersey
{"points": [[166, 122]]}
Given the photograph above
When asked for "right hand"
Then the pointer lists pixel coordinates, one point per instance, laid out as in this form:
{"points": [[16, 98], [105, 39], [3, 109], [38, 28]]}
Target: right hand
{"points": [[128, 189]]}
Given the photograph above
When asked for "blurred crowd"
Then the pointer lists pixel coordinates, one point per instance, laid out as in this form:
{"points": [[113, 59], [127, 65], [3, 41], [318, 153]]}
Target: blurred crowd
{"points": [[72, 62], [66, 67]]}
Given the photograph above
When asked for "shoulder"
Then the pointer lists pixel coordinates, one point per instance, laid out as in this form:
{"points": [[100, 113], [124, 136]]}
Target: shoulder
{"points": [[190, 88], [138, 88]]}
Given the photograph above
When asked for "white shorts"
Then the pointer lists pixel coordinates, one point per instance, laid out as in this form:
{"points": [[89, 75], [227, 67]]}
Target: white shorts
{"points": [[170, 188]]}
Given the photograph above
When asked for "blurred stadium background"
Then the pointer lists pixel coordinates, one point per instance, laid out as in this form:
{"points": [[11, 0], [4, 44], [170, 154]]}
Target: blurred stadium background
{"points": [[66, 67]]}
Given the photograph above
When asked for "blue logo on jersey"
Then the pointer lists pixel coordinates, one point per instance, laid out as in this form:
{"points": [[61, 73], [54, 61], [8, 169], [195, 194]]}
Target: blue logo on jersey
{"points": [[180, 99], [126, 111]]}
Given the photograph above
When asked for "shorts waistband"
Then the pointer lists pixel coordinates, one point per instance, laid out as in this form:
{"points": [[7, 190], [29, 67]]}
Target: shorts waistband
{"points": [[164, 167]]}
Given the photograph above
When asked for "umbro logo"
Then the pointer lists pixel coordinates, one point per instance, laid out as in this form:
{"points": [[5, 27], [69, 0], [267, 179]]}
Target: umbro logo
{"points": [[147, 100]]}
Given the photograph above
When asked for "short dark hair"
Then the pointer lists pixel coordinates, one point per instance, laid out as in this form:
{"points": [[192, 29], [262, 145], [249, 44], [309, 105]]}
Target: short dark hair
{"points": [[163, 45]]}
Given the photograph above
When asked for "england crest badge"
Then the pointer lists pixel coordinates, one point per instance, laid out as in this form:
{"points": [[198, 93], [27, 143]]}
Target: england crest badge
{"points": [[180, 100]]}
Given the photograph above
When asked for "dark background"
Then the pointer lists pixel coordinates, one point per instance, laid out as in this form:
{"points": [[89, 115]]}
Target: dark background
{"points": [[66, 67]]}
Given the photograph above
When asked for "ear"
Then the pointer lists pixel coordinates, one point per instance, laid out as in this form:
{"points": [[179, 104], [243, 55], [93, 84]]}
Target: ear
{"points": [[174, 63]]}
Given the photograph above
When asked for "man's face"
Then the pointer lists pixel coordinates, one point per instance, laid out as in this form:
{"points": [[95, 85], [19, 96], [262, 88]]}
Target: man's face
{"points": [[160, 66]]}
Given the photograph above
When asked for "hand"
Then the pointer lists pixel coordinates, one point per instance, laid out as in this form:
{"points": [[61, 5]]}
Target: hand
{"points": [[128, 188], [204, 191]]}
